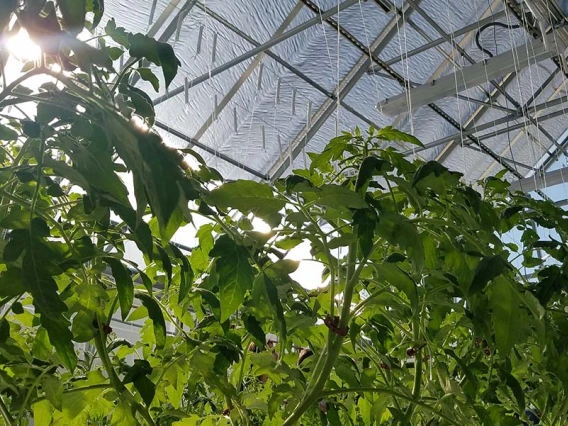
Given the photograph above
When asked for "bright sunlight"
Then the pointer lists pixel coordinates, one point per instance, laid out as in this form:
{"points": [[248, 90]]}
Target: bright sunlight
{"points": [[22, 47]]}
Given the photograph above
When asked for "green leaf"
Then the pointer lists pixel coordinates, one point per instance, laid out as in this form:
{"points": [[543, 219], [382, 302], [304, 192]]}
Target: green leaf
{"points": [[40, 284], [166, 263], [365, 220], [339, 197], [7, 134], [43, 413], [389, 133], [157, 317], [30, 129], [368, 169], [254, 327], [146, 388], [266, 286], [507, 316], [396, 277], [246, 196], [235, 275], [161, 179], [97, 7], [61, 339], [186, 274], [517, 390], [73, 12], [488, 269], [282, 268], [147, 75], [168, 61], [124, 285], [53, 391]]}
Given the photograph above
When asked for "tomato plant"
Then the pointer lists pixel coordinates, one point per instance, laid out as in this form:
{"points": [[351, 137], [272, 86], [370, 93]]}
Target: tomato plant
{"points": [[425, 313]]}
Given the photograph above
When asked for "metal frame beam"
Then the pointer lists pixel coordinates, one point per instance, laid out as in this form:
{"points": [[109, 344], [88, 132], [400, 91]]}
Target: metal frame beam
{"points": [[344, 87], [456, 46], [247, 73], [508, 160], [194, 142], [442, 40], [253, 52], [491, 124], [541, 180], [535, 121], [473, 75], [285, 64]]}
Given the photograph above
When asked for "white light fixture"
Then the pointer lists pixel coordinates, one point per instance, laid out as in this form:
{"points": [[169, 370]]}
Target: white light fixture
{"points": [[477, 74]]}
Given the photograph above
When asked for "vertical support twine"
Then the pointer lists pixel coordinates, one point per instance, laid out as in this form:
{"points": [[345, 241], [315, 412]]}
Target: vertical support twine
{"points": [[278, 83], [235, 121]]}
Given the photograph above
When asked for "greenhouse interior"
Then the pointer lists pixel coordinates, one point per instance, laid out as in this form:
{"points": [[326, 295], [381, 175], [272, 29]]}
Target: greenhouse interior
{"points": [[294, 212]]}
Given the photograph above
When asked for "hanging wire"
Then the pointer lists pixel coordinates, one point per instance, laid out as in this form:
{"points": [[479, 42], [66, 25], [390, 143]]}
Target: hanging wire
{"points": [[404, 63]]}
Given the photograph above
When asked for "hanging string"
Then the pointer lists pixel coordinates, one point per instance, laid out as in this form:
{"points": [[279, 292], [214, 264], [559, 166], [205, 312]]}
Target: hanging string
{"points": [[456, 70], [368, 45], [404, 63]]}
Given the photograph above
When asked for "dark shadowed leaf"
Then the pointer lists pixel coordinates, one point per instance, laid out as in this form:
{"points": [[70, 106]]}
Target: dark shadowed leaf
{"points": [[157, 317], [488, 269], [124, 285], [73, 12]]}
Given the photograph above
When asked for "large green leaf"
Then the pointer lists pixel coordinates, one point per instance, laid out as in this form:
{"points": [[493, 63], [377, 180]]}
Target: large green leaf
{"points": [[73, 12], [389, 133], [369, 168], [156, 315], [235, 275], [186, 273], [61, 339], [7, 134], [39, 283], [340, 197], [507, 316], [124, 285], [396, 277], [488, 269], [246, 196], [53, 390]]}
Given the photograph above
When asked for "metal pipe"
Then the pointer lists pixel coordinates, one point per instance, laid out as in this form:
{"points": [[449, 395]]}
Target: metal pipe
{"points": [[487, 126], [302, 27]]}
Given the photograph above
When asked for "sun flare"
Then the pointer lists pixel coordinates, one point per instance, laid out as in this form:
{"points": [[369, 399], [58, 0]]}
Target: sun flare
{"points": [[22, 47]]}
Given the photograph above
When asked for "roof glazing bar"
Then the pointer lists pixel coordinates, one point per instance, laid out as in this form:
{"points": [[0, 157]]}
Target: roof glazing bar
{"points": [[257, 50], [343, 88], [287, 65]]}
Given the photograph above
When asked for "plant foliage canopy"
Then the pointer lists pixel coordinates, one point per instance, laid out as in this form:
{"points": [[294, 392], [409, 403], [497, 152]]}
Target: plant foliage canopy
{"points": [[425, 315]]}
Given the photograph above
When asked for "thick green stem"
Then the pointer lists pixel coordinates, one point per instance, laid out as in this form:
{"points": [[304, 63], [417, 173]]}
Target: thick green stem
{"points": [[6, 414], [120, 388], [417, 368], [335, 341]]}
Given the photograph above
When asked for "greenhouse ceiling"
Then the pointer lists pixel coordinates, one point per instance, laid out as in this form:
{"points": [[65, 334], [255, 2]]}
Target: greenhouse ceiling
{"points": [[262, 84]]}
